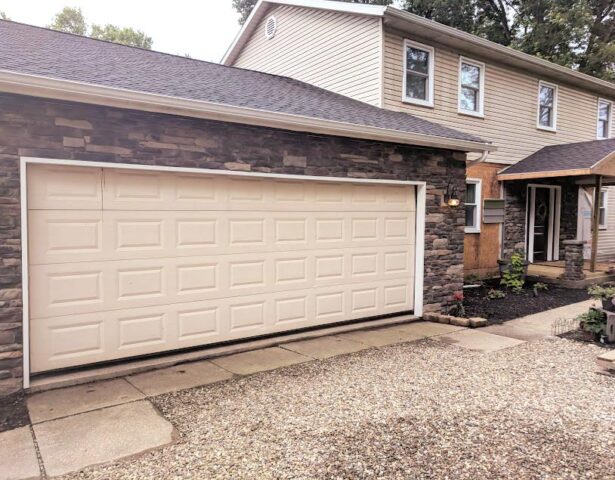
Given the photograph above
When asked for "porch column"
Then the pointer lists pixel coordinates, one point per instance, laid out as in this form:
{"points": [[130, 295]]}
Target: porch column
{"points": [[595, 222]]}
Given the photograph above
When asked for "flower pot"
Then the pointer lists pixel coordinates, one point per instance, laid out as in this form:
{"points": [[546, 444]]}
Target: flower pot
{"points": [[607, 304], [505, 266]]}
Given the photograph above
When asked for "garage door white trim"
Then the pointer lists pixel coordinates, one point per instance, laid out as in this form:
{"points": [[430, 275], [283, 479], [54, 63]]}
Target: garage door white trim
{"points": [[419, 238]]}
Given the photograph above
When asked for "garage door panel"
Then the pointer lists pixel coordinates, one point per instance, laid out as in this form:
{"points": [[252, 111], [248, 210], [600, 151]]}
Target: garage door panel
{"points": [[77, 339], [59, 187], [169, 261], [57, 236]]}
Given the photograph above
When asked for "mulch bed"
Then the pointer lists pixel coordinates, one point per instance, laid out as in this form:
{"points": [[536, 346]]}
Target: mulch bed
{"points": [[13, 412], [514, 306]]}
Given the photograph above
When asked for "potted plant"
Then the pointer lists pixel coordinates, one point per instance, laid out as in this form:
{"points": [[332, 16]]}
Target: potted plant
{"points": [[593, 323], [604, 293]]}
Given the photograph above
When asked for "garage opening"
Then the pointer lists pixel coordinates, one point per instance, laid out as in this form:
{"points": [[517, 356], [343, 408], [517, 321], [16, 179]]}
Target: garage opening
{"points": [[124, 262]]}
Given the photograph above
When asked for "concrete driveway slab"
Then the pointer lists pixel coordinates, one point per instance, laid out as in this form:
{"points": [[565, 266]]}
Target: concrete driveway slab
{"points": [[82, 398], [427, 329], [325, 347], [72, 443], [478, 340], [17, 455], [380, 337], [179, 377], [255, 361]]}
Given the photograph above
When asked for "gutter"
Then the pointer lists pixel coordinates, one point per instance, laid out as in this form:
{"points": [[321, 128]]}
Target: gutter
{"points": [[40, 86]]}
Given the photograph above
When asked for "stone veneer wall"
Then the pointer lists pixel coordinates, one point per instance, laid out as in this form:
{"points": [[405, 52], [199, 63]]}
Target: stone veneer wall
{"points": [[55, 129], [515, 193]]}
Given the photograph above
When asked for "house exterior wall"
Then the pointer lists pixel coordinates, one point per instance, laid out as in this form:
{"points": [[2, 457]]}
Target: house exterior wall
{"points": [[332, 50], [34, 127], [510, 105], [482, 250]]}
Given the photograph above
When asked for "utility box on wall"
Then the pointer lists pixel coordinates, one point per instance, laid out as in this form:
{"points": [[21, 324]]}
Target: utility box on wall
{"points": [[493, 211]]}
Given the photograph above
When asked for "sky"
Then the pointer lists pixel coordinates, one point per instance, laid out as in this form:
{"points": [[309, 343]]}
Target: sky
{"points": [[202, 29]]}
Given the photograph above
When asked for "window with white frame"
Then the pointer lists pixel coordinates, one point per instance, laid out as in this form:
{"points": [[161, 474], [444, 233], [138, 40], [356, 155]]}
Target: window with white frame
{"points": [[604, 197], [418, 73], [604, 119], [471, 86], [472, 205], [547, 106]]}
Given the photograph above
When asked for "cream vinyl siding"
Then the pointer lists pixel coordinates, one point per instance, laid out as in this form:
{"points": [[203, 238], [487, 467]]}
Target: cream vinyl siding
{"points": [[125, 263], [510, 103], [336, 51]]}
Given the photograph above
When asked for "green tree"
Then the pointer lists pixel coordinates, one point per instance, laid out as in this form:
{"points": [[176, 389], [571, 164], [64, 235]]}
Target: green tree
{"points": [[125, 36], [70, 20], [244, 7]]}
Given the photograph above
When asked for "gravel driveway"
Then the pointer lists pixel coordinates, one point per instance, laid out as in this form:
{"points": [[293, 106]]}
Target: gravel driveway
{"points": [[416, 410]]}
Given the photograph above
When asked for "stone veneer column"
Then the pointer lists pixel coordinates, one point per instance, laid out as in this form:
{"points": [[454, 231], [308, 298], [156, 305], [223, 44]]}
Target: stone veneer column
{"points": [[573, 254]]}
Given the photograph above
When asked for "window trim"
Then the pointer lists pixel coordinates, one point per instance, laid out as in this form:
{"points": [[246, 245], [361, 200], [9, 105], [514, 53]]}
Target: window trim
{"points": [[479, 186], [605, 225], [480, 113], [610, 104], [430, 80], [555, 88]]}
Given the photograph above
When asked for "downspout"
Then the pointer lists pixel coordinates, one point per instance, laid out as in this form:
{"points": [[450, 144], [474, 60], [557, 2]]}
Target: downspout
{"points": [[481, 159]]}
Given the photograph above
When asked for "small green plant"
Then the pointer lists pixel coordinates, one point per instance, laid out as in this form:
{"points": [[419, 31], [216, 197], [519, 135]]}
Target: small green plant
{"points": [[599, 292], [514, 275], [494, 294], [593, 321], [539, 287]]}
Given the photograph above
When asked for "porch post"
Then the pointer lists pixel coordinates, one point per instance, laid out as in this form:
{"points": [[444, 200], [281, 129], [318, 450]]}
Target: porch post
{"points": [[595, 222]]}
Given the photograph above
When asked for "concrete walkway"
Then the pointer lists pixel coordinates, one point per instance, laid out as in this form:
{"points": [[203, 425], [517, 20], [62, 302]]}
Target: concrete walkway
{"points": [[102, 422]]}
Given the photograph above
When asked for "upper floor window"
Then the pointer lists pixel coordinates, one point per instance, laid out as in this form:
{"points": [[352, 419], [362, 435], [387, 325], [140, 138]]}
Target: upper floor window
{"points": [[471, 87], [547, 106], [604, 119], [472, 204], [418, 73]]}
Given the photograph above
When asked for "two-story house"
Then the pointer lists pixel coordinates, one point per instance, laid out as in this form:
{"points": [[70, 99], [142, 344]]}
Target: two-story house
{"points": [[399, 61]]}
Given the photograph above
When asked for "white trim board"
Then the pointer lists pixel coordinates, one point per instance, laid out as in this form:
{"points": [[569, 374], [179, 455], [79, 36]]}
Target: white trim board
{"points": [[421, 196]]}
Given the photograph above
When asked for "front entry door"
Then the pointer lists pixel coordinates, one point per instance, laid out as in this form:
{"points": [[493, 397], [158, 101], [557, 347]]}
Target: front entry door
{"points": [[541, 224]]}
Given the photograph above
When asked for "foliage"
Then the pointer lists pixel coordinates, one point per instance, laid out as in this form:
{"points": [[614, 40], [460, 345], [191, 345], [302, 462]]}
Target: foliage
{"points": [[599, 292], [458, 309], [494, 294], [593, 321], [514, 275], [125, 36], [574, 33], [244, 7], [72, 20], [539, 287], [3, 16]]}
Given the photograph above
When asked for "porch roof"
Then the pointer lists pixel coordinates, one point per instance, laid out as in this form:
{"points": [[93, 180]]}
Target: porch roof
{"points": [[595, 157]]}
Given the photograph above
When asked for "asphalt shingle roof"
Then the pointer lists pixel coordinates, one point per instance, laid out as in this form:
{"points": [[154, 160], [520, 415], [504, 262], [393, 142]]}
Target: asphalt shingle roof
{"points": [[40, 51], [569, 156]]}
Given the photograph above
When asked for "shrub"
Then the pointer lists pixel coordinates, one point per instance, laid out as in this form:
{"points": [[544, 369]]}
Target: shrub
{"points": [[599, 292], [593, 321], [458, 310], [514, 276]]}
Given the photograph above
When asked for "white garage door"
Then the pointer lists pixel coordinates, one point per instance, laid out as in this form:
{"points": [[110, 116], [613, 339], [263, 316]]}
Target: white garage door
{"points": [[127, 262]]}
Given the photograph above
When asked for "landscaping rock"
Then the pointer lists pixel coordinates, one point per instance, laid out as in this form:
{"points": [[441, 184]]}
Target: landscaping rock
{"points": [[477, 322], [459, 322]]}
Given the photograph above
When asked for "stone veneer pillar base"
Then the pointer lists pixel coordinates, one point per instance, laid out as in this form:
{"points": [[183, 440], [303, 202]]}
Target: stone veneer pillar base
{"points": [[574, 260]]}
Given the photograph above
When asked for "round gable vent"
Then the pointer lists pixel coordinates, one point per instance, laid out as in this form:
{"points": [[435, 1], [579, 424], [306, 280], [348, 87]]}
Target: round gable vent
{"points": [[270, 27]]}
